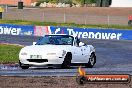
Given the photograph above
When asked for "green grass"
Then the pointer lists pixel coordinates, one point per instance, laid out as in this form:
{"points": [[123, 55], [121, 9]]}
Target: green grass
{"points": [[22, 22], [9, 53]]}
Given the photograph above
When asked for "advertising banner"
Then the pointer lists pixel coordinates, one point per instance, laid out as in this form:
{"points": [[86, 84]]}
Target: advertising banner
{"points": [[16, 29], [90, 33], [93, 33]]}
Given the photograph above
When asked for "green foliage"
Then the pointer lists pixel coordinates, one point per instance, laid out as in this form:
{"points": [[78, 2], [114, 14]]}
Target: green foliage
{"points": [[53, 1], [38, 3], [90, 1], [69, 1], [41, 1]]}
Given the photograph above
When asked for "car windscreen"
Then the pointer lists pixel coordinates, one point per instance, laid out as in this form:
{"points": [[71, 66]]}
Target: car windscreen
{"points": [[56, 40]]}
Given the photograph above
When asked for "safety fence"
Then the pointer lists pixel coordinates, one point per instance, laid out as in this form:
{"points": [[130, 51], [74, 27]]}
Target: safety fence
{"points": [[66, 18]]}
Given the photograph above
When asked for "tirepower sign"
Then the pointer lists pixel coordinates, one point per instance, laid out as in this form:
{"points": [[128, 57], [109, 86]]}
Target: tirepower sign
{"points": [[10, 29], [90, 33]]}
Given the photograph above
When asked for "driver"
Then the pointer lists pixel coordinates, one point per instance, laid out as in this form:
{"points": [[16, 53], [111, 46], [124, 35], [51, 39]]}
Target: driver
{"points": [[77, 41], [51, 40]]}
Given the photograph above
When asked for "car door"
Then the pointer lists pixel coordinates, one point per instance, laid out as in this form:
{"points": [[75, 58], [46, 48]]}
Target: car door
{"points": [[85, 53], [76, 53]]}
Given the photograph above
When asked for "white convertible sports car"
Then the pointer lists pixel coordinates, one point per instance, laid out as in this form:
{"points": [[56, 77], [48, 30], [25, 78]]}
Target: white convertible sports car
{"points": [[57, 49]]}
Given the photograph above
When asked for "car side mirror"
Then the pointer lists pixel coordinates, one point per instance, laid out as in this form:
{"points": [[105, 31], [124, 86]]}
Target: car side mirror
{"points": [[81, 44], [34, 43]]}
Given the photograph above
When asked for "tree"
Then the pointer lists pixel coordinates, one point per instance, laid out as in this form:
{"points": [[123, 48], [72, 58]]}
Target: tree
{"points": [[82, 2], [70, 1], [90, 1], [54, 1]]}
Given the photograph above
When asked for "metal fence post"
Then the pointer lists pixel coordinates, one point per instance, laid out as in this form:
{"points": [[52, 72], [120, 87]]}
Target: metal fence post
{"points": [[43, 18], [6, 8], [23, 17], [85, 19], [108, 20], [64, 17]]}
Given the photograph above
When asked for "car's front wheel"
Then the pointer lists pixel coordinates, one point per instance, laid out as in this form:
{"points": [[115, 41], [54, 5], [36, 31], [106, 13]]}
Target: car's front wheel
{"points": [[23, 66], [92, 61]]}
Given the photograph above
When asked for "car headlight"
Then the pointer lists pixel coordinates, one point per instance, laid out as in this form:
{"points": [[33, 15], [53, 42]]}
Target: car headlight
{"points": [[23, 53], [51, 53]]}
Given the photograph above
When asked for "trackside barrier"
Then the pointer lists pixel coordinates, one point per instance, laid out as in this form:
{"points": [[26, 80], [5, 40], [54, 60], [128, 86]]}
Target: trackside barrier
{"points": [[16, 29], [92, 33]]}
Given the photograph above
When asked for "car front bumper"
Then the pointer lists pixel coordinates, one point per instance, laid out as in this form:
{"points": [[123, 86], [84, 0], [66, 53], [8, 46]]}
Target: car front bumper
{"points": [[40, 62]]}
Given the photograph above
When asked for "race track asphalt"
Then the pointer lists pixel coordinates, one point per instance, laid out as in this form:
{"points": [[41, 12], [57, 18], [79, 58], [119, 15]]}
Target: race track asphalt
{"points": [[113, 56]]}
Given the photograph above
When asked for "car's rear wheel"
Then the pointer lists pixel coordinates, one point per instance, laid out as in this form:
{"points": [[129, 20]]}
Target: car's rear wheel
{"points": [[23, 66], [92, 61], [67, 61]]}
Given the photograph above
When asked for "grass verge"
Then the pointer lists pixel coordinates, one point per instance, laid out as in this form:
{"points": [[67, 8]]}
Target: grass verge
{"points": [[9, 53], [22, 22]]}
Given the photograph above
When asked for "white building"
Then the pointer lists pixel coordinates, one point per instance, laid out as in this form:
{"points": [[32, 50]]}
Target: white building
{"points": [[121, 3]]}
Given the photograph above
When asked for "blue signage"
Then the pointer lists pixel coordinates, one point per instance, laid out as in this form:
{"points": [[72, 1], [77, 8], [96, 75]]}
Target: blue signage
{"points": [[16, 29], [91, 33]]}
